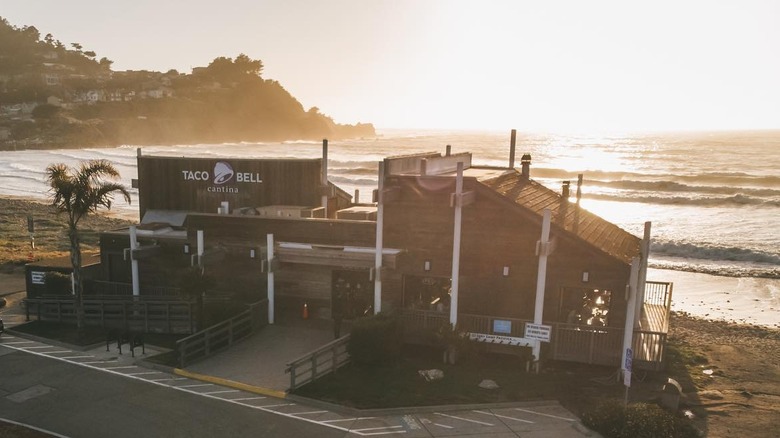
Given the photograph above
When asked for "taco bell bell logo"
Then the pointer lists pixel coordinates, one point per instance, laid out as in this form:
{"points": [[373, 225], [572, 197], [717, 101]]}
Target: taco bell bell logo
{"points": [[223, 172]]}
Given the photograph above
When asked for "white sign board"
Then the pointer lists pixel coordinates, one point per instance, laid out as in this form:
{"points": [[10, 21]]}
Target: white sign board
{"points": [[499, 339], [627, 378], [38, 277], [539, 332]]}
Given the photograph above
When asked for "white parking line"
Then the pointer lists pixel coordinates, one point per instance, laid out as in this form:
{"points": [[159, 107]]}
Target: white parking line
{"points": [[18, 342], [221, 392], [504, 416], [465, 419], [347, 419], [307, 413], [277, 406], [56, 352], [95, 361], [427, 421], [247, 398], [36, 347], [167, 378], [376, 428], [124, 367], [196, 385], [545, 415], [145, 373], [76, 357]]}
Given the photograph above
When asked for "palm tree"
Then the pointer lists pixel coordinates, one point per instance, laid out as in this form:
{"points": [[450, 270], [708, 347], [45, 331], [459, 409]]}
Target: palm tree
{"points": [[79, 192]]}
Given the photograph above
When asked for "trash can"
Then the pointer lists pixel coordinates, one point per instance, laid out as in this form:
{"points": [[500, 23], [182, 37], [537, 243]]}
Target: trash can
{"points": [[670, 397]]}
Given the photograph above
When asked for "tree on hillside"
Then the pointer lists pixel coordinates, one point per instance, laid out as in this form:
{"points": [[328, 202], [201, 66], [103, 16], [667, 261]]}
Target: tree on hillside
{"points": [[79, 192], [227, 71]]}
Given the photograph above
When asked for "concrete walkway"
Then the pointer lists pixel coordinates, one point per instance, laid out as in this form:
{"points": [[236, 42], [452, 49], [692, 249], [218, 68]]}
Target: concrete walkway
{"points": [[262, 359]]}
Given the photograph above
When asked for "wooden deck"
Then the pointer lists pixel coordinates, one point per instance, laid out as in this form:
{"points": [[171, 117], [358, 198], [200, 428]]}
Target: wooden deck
{"points": [[570, 342]]}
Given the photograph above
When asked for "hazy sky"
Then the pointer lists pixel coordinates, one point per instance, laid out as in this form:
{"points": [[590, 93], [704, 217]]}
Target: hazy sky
{"points": [[531, 65]]}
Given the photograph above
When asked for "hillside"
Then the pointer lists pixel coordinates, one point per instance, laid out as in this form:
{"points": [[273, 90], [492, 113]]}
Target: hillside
{"points": [[54, 96]]}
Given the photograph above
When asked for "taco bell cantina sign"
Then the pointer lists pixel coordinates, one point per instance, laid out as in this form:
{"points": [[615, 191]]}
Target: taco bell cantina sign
{"points": [[224, 179]]}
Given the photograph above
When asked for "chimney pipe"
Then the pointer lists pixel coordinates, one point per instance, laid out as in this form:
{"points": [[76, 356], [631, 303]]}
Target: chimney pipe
{"points": [[525, 162], [512, 141], [565, 190], [357, 197], [449, 150], [579, 188], [324, 173]]}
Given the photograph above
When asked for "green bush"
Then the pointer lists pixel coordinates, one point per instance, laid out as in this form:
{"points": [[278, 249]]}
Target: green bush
{"points": [[57, 283], [641, 420], [376, 340]]}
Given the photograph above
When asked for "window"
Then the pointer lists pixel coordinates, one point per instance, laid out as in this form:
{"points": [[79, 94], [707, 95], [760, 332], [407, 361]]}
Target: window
{"points": [[585, 306]]}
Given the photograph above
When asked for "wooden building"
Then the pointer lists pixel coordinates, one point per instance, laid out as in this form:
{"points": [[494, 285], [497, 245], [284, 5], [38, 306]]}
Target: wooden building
{"points": [[326, 248]]}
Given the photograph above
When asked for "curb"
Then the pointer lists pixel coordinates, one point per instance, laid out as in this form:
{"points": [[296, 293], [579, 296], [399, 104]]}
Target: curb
{"points": [[230, 383]]}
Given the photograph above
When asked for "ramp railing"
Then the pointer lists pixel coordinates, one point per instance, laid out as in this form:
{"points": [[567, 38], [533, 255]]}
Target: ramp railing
{"points": [[324, 360]]}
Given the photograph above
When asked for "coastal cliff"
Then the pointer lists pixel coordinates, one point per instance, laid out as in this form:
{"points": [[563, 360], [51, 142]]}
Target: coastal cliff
{"points": [[54, 97]]}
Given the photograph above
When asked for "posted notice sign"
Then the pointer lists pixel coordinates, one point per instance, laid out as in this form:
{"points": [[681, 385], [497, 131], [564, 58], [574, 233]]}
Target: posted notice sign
{"points": [[539, 332]]}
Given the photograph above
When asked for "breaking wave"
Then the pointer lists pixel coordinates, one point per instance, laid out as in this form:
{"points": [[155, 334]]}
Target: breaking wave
{"points": [[735, 200], [714, 252]]}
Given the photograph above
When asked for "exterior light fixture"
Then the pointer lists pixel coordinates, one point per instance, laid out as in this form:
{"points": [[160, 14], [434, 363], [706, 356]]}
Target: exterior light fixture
{"points": [[506, 271], [427, 265], [186, 248], [252, 253], [585, 276]]}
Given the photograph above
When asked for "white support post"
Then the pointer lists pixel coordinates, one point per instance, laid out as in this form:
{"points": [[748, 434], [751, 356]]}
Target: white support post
{"points": [[134, 262], [325, 175], [541, 280], [270, 279], [200, 246], [456, 245], [642, 278], [380, 213], [628, 334]]}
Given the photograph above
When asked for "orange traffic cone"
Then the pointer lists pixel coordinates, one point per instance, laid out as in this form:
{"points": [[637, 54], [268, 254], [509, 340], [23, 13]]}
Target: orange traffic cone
{"points": [[305, 311]]}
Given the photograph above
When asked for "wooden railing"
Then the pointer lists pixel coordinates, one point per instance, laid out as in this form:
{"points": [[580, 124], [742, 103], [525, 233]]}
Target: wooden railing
{"points": [[324, 360], [112, 288], [221, 336], [134, 314], [569, 342]]}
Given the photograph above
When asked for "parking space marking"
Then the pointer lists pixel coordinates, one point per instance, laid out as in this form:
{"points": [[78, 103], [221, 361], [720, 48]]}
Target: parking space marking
{"points": [[277, 406], [348, 419], [427, 421], [544, 415], [56, 351], [195, 385], [224, 391], [36, 347], [308, 413], [122, 367], [247, 398], [18, 342], [76, 357], [94, 362], [376, 428], [145, 373], [504, 416], [465, 419]]}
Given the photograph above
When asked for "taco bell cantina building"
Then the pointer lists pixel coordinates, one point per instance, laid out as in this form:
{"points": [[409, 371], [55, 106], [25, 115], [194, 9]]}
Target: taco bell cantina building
{"points": [[444, 240]]}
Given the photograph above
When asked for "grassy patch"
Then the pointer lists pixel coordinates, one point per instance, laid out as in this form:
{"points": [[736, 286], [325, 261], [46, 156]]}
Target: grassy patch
{"points": [[51, 238], [399, 384]]}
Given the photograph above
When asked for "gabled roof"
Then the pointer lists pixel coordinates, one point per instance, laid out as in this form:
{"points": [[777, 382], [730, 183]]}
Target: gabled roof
{"points": [[534, 197]]}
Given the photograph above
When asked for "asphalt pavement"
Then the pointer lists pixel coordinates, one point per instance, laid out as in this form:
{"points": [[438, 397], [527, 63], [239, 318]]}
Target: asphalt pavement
{"points": [[251, 374]]}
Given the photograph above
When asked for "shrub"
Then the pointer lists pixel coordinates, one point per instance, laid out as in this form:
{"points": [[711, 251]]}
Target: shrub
{"points": [[376, 340], [57, 283], [641, 420]]}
